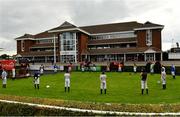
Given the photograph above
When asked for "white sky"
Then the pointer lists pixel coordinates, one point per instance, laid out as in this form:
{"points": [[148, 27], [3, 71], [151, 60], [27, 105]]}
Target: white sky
{"points": [[33, 16]]}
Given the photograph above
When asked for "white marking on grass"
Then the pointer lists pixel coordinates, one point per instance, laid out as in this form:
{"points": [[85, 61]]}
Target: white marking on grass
{"points": [[91, 111]]}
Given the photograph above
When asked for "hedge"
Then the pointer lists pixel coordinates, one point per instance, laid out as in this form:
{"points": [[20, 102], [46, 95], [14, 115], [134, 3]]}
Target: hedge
{"points": [[17, 109], [10, 109]]}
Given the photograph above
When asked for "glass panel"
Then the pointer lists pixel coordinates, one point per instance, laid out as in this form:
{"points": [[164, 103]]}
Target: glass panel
{"points": [[68, 45]]}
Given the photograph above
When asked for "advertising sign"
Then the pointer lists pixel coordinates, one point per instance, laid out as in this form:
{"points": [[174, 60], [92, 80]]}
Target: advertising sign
{"points": [[7, 64]]}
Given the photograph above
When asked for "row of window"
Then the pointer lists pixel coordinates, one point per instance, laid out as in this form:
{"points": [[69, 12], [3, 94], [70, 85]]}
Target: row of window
{"points": [[114, 36], [44, 41], [112, 46], [42, 49]]}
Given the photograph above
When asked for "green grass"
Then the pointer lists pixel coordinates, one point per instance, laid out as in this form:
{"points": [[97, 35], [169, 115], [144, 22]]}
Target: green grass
{"points": [[121, 88]]}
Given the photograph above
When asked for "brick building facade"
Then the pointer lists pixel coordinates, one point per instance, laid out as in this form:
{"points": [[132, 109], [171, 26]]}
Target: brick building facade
{"points": [[127, 41]]}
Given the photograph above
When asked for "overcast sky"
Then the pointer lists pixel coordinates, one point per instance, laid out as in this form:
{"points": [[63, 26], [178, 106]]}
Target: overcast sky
{"points": [[33, 16]]}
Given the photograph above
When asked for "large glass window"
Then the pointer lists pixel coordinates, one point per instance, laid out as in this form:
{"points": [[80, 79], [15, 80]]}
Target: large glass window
{"points": [[68, 41], [68, 47]]}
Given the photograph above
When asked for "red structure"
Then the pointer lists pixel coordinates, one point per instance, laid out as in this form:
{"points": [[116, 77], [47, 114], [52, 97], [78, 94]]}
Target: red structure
{"points": [[7, 64]]}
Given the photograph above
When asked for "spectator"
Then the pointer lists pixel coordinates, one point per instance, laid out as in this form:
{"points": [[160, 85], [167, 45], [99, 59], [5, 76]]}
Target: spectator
{"points": [[41, 69], [13, 73], [70, 67], [55, 68], [152, 68], [135, 68]]}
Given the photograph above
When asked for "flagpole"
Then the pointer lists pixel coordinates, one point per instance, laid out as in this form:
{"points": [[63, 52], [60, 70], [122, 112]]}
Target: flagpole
{"points": [[54, 49]]}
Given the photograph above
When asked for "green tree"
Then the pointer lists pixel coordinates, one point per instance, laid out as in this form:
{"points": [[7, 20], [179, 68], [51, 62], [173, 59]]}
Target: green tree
{"points": [[4, 56]]}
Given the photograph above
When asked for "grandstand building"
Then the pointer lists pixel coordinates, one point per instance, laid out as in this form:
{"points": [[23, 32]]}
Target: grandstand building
{"points": [[127, 41]]}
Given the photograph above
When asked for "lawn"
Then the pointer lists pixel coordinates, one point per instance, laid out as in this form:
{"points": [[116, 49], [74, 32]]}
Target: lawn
{"points": [[122, 88]]}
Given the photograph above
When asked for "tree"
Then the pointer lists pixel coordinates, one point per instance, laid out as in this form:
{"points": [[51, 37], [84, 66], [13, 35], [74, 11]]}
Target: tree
{"points": [[4, 56]]}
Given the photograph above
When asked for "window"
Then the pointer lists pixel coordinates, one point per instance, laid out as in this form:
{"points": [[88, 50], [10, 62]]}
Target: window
{"points": [[68, 41], [149, 37], [68, 58], [114, 36], [45, 41], [22, 45], [68, 47]]}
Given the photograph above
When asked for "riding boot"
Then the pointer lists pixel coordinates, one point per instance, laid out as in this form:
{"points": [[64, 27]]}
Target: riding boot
{"points": [[38, 86], [68, 89], [142, 91], [164, 87], [146, 91], [65, 89], [101, 91], [104, 91], [174, 77], [35, 86]]}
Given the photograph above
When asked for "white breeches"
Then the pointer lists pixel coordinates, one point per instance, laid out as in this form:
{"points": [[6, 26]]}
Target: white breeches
{"points": [[4, 81], [69, 69], [67, 82], [36, 81], [144, 84], [82, 69], [55, 69], [119, 69], [41, 71], [13, 74], [152, 70], [93, 68], [173, 73], [134, 69], [163, 81], [103, 85]]}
